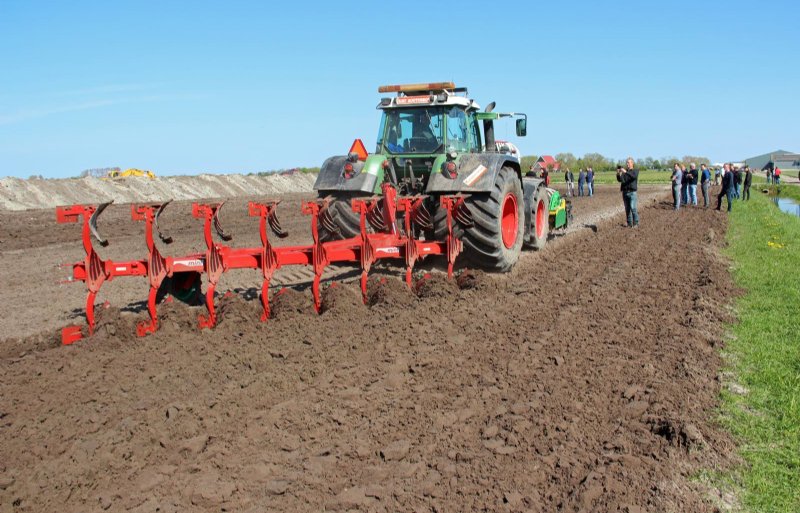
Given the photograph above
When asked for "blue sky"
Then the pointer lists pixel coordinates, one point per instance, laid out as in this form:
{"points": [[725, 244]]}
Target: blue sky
{"points": [[190, 87]]}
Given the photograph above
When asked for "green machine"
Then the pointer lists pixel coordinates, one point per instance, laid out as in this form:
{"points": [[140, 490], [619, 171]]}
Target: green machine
{"points": [[434, 140]]}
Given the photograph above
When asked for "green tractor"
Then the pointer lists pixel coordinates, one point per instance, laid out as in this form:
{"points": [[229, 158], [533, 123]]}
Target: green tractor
{"points": [[434, 140]]}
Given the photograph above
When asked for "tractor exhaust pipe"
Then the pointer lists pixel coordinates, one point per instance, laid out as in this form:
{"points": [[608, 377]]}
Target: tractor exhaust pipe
{"points": [[488, 130], [488, 133]]}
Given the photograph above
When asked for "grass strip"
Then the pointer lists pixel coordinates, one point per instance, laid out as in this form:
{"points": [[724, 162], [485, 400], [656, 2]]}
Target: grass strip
{"points": [[762, 408]]}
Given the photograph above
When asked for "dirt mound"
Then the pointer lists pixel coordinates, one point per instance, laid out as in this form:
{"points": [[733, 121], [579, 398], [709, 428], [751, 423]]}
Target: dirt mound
{"points": [[289, 303], [475, 279], [382, 291], [234, 309], [19, 194], [343, 300], [435, 286]]}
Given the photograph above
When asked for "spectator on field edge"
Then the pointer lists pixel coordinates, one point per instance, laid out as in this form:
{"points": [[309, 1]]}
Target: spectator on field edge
{"points": [[581, 181], [726, 189], [590, 181], [677, 178], [737, 181], [748, 180], [717, 176], [629, 183], [705, 182], [684, 185], [777, 176], [692, 184], [569, 179]]}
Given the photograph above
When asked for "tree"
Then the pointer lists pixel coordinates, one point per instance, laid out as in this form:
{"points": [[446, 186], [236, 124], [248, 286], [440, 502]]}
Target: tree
{"points": [[688, 159], [527, 161], [566, 160], [669, 162], [597, 162]]}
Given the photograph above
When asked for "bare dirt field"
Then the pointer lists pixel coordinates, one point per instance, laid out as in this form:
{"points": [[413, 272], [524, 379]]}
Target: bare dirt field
{"points": [[584, 380]]}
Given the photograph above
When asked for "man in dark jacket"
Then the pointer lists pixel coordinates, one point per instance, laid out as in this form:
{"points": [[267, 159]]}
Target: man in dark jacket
{"points": [[737, 182], [727, 187], [629, 183], [684, 185], [748, 181], [581, 181]]}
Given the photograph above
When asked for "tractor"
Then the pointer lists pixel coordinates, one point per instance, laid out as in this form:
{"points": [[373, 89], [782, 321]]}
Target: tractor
{"points": [[434, 140]]}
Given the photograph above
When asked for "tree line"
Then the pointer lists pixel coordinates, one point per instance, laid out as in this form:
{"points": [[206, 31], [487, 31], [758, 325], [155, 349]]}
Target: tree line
{"points": [[601, 163]]}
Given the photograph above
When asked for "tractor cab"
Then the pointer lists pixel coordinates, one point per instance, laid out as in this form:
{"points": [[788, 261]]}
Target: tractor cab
{"points": [[427, 119]]}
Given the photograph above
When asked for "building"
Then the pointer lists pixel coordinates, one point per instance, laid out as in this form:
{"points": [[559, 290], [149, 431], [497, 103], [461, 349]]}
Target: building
{"points": [[544, 162], [782, 159]]}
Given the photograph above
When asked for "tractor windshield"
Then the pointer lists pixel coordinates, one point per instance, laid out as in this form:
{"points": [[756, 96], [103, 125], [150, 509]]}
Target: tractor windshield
{"points": [[414, 130]]}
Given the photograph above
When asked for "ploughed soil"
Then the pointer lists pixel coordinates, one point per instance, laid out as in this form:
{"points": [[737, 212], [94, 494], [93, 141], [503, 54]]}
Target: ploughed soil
{"points": [[584, 380]]}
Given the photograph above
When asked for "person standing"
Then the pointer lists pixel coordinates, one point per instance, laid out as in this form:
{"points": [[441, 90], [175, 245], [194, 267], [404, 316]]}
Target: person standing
{"points": [[629, 183], [737, 182], [769, 167], [569, 179], [590, 181], [581, 181], [777, 176], [684, 185], [677, 178], [705, 182], [717, 175], [726, 189], [748, 180], [693, 184]]}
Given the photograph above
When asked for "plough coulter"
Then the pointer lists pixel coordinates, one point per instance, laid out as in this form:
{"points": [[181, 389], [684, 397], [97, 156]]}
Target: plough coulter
{"points": [[387, 227]]}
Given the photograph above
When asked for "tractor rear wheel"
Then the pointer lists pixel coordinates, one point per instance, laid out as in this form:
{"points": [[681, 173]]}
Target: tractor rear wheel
{"points": [[541, 220], [494, 241], [347, 222]]}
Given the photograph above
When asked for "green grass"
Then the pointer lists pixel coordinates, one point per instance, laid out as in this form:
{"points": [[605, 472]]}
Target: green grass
{"points": [[764, 354]]}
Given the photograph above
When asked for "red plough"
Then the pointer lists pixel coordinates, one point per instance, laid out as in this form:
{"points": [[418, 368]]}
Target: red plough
{"points": [[387, 239]]}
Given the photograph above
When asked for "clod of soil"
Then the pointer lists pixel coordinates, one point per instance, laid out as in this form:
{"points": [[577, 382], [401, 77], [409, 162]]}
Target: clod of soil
{"points": [[342, 300], [473, 279], [436, 286], [389, 292], [237, 310], [289, 303]]}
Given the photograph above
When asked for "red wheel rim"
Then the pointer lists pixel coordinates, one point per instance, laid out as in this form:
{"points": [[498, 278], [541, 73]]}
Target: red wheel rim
{"points": [[540, 220], [509, 220]]}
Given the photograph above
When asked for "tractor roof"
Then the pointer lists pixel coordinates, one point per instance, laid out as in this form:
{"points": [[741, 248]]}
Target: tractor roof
{"points": [[426, 95]]}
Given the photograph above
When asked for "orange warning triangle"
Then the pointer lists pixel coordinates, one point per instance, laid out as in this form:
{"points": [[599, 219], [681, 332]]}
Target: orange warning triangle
{"points": [[359, 148]]}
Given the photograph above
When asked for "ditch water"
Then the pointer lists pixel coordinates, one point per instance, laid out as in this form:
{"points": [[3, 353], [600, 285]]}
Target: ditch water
{"points": [[787, 205]]}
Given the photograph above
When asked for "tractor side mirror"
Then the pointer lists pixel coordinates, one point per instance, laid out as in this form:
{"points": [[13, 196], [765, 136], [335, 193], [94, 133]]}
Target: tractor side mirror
{"points": [[522, 127]]}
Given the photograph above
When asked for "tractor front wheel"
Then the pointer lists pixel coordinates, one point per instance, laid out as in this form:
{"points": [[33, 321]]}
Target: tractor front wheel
{"points": [[541, 220]]}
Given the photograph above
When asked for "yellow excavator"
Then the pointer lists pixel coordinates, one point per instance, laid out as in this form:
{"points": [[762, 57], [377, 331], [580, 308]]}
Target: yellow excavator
{"points": [[116, 173]]}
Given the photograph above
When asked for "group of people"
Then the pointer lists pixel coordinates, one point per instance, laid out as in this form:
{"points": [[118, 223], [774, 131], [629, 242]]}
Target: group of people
{"points": [[735, 184], [684, 184], [585, 182], [773, 173]]}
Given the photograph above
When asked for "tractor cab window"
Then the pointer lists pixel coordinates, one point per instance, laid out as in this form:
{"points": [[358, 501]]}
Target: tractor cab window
{"points": [[417, 130], [457, 130]]}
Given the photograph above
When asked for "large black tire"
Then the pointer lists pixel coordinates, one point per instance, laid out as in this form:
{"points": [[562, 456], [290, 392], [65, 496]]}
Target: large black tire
{"points": [[341, 212], [540, 214], [495, 240]]}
